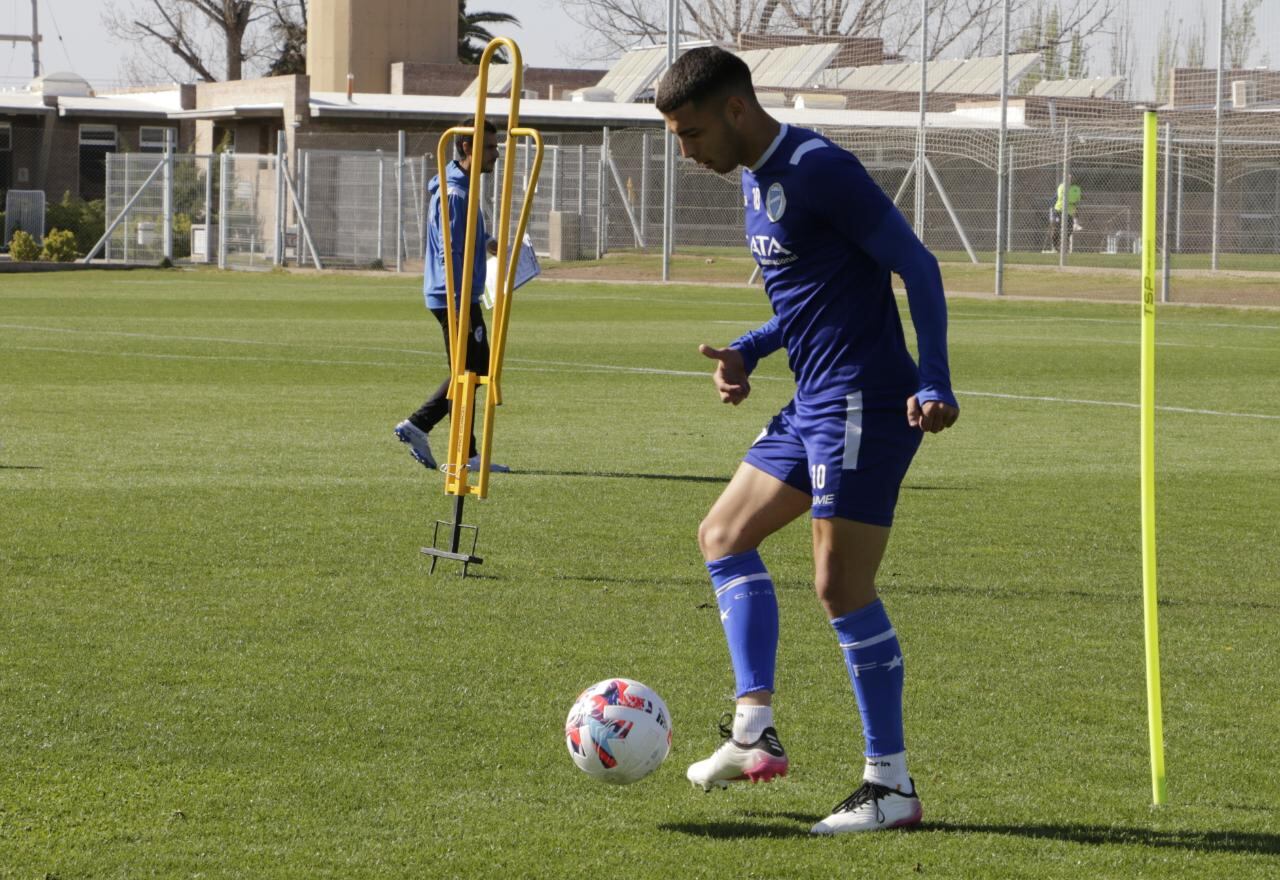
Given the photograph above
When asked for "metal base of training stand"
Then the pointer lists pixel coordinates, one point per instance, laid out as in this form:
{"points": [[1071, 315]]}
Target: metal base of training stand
{"points": [[455, 538]]}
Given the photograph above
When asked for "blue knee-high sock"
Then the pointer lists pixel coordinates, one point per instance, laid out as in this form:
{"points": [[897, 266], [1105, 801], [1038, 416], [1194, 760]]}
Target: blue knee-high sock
{"points": [[874, 659], [749, 614]]}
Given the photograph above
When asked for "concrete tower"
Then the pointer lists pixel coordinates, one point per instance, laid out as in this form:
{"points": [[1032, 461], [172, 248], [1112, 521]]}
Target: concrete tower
{"points": [[365, 37]]}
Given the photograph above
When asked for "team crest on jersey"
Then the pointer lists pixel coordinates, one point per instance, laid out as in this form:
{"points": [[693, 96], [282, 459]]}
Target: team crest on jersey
{"points": [[775, 203]]}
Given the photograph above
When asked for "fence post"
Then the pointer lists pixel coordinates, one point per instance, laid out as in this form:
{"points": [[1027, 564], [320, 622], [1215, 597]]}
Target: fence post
{"points": [[168, 195], [602, 206], [1164, 232], [644, 182], [582, 179], [1177, 235], [1064, 218], [555, 178], [1217, 140], [381, 206], [125, 248], [222, 210], [280, 206], [1002, 191], [306, 193], [1008, 205], [400, 201], [208, 207], [921, 184], [106, 198]]}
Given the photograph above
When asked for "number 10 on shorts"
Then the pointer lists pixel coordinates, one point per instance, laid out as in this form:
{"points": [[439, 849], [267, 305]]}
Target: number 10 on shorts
{"points": [[818, 475]]}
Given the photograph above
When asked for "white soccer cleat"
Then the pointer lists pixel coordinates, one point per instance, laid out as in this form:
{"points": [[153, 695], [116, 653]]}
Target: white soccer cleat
{"points": [[760, 761], [416, 438], [872, 808]]}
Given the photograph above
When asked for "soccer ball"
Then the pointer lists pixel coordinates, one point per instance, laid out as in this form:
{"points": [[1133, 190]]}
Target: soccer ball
{"points": [[618, 731]]}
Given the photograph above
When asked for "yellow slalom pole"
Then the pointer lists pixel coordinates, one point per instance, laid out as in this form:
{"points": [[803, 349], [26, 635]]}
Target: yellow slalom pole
{"points": [[1151, 624]]}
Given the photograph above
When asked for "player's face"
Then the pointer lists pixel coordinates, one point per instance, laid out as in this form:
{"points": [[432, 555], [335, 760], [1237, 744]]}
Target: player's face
{"points": [[709, 132], [489, 158]]}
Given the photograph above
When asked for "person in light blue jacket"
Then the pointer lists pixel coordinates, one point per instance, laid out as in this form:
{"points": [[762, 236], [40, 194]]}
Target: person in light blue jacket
{"points": [[413, 431]]}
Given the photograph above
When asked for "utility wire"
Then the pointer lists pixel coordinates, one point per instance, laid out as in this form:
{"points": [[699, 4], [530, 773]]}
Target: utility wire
{"points": [[57, 30]]}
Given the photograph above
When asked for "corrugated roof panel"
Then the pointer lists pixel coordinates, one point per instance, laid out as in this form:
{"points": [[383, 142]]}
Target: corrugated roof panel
{"points": [[1099, 87], [500, 77], [1019, 66], [969, 77], [942, 71], [634, 72], [791, 67], [755, 60]]}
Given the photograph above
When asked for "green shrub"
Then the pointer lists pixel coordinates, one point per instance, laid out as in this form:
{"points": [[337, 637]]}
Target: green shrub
{"points": [[59, 246], [181, 235], [86, 220], [23, 247]]}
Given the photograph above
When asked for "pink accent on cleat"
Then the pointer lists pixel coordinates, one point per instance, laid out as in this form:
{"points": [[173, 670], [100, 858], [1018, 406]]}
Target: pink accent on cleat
{"points": [[767, 769]]}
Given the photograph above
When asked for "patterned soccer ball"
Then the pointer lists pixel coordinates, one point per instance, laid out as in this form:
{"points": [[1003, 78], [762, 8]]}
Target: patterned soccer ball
{"points": [[618, 731]]}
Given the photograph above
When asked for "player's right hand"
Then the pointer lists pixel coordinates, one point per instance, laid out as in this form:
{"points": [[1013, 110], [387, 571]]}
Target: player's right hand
{"points": [[730, 377]]}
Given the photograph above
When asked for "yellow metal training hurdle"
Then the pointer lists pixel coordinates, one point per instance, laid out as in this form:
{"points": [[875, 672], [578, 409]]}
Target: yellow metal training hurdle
{"points": [[462, 389]]}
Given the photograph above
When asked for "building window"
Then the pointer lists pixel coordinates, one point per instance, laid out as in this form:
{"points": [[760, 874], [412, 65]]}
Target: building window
{"points": [[6, 137], [224, 139], [96, 141], [151, 138]]}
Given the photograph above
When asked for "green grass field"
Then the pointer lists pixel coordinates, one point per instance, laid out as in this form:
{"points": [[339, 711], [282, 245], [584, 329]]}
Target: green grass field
{"points": [[221, 654]]}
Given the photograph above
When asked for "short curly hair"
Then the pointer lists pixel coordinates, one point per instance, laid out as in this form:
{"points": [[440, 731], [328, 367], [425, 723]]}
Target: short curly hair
{"points": [[470, 122], [702, 73]]}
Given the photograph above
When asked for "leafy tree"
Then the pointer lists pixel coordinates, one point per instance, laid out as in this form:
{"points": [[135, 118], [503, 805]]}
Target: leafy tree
{"points": [[474, 36], [1078, 60], [209, 40], [1242, 32], [1166, 58], [289, 33]]}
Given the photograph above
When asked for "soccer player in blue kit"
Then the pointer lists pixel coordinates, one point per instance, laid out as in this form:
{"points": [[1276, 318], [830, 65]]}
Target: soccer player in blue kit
{"points": [[826, 239]]}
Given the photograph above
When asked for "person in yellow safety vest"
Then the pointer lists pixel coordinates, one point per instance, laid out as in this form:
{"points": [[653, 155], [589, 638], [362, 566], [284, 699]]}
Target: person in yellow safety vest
{"points": [[1074, 195]]}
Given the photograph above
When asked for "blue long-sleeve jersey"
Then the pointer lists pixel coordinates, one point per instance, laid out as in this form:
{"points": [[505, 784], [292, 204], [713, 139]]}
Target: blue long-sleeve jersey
{"points": [[433, 282], [826, 238]]}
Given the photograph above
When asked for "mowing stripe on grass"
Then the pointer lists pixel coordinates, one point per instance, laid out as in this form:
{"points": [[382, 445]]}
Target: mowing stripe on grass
{"points": [[545, 366], [1082, 402]]}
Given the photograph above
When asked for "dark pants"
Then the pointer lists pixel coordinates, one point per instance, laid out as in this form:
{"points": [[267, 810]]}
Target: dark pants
{"points": [[436, 407], [1055, 230]]}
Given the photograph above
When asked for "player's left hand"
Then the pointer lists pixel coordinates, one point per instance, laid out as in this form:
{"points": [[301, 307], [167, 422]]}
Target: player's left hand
{"points": [[933, 417]]}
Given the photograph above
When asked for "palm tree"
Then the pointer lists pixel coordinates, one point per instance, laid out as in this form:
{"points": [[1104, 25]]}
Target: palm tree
{"points": [[473, 36]]}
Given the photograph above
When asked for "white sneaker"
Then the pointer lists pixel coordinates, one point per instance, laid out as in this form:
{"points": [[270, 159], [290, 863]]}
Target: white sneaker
{"points": [[419, 448], [759, 761], [872, 808]]}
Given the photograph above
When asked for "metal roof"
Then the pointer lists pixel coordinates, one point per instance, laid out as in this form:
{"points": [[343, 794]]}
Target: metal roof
{"points": [[500, 78], [14, 103], [584, 114], [974, 76], [634, 72], [1100, 87], [790, 67]]}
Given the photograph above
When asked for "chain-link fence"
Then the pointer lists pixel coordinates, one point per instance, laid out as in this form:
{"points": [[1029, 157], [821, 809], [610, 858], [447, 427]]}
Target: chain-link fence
{"points": [[599, 200], [154, 189]]}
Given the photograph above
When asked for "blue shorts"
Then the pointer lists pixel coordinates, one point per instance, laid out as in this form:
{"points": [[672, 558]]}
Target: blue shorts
{"points": [[851, 460]]}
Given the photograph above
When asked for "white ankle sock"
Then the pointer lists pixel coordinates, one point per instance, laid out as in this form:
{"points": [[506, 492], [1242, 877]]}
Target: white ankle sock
{"points": [[889, 771], [750, 721]]}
